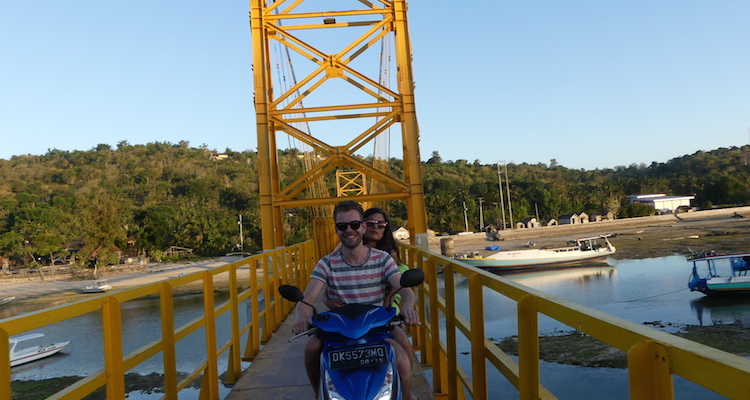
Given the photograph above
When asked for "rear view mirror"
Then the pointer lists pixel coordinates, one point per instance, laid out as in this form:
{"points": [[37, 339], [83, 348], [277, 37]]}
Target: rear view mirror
{"points": [[412, 277], [291, 293]]}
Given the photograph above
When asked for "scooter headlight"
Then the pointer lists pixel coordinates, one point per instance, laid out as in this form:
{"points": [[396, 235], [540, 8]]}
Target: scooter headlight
{"points": [[330, 389], [386, 390]]}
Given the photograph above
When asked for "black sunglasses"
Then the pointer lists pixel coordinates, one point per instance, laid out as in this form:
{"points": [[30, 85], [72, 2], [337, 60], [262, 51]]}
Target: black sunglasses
{"points": [[379, 224], [354, 224]]}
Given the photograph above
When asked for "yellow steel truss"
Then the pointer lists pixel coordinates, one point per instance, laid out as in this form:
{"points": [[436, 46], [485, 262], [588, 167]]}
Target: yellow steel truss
{"points": [[351, 183], [285, 22]]}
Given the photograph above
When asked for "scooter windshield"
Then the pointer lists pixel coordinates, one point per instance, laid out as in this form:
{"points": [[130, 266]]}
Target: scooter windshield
{"points": [[354, 320]]}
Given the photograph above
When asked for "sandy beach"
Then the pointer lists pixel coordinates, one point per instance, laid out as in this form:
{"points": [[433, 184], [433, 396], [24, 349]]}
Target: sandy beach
{"points": [[60, 289]]}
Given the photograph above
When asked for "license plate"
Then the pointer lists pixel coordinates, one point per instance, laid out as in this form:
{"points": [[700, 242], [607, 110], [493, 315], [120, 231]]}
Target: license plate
{"points": [[357, 357]]}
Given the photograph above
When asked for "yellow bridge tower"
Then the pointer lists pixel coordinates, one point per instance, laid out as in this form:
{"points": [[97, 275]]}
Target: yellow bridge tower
{"points": [[322, 78]]}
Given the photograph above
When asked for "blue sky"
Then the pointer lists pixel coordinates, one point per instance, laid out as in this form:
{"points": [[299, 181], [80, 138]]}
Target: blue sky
{"points": [[591, 84]]}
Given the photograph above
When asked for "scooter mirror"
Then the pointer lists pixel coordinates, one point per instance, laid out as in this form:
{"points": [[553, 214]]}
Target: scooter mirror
{"points": [[291, 293], [412, 277]]}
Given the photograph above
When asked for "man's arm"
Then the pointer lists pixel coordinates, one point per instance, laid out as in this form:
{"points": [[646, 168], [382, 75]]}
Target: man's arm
{"points": [[408, 301], [303, 311]]}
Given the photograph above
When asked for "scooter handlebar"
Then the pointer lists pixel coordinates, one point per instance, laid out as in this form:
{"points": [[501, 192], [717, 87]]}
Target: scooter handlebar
{"points": [[305, 333]]}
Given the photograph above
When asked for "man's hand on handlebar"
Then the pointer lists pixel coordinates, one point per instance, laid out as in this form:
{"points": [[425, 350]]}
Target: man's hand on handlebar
{"points": [[300, 326], [411, 317]]}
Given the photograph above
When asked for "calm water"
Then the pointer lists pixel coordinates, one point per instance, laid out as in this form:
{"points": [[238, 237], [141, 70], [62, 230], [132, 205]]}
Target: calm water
{"points": [[141, 325], [651, 290], [642, 291]]}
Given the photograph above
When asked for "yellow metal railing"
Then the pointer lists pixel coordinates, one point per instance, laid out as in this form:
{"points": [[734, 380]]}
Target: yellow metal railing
{"points": [[290, 265], [653, 356]]}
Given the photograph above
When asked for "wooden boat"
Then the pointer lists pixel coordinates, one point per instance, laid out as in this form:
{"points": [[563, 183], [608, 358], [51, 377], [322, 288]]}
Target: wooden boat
{"points": [[582, 249], [99, 286], [725, 274], [6, 300], [20, 356]]}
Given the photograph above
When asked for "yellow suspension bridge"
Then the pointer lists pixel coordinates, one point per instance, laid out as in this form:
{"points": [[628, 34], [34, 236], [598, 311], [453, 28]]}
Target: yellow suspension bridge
{"points": [[654, 357]]}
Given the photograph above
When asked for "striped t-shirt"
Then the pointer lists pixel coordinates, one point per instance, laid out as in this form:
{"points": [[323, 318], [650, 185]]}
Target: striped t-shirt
{"points": [[365, 283]]}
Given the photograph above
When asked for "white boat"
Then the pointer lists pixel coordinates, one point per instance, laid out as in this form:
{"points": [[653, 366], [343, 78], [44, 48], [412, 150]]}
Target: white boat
{"points": [[725, 274], [6, 300], [23, 355], [582, 249], [99, 286]]}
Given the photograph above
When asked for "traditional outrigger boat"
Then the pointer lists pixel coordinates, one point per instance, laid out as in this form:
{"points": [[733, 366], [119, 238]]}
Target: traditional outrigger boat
{"points": [[734, 280], [99, 286], [582, 249], [20, 356]]}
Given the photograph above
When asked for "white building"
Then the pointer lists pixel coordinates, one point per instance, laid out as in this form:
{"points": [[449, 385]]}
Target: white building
{"points": [[662, 203], [401, 233]]}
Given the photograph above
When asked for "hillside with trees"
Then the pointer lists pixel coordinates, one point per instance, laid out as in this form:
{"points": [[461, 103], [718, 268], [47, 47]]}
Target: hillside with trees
{"points": [[143, 199]]}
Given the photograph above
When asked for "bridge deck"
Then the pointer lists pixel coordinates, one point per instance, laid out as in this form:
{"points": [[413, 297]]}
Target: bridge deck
{"points": [[278, 372]]}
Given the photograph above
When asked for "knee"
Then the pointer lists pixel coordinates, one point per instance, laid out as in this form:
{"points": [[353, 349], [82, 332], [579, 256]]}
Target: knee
{"points": [[402, 359], [313, 349], [404, 368]]}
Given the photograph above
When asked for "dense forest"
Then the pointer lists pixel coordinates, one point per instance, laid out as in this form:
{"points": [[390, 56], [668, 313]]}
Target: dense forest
{"points": [[146, 198]]}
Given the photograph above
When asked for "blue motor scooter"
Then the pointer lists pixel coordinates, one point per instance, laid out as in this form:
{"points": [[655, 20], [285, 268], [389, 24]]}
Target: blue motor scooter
{"points": [[357, 362]]}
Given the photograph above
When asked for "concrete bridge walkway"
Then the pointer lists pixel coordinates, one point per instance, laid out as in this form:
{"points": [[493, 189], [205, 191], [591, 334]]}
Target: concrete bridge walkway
{"points": [[278, 372]]}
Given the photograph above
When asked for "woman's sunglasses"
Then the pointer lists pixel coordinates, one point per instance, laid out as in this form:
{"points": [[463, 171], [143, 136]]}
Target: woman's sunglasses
{"points": [[354, 224], [373, 223]]}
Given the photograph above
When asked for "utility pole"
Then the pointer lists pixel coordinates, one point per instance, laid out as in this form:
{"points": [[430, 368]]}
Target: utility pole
{"points": [[481, 215], [466, 218], [507, 187], [242, 239], [500, 186]]}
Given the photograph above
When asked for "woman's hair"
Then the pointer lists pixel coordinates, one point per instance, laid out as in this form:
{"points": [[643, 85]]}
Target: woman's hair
{"points": [[387, 243]]}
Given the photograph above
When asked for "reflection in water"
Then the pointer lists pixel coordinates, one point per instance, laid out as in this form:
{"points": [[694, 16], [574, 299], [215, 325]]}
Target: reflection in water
{"points": [[722, 311], [581, 275]]}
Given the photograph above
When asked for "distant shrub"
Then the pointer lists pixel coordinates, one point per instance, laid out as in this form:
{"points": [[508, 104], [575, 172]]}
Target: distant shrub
{"points": [[636, 210]]}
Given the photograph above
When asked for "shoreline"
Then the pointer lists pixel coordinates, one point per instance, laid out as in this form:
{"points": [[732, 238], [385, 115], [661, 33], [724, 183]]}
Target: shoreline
{"points": [[635, 238], [61, 290]]}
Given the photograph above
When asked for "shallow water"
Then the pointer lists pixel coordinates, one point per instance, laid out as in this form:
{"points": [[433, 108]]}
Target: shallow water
{"points": [[141, 325], [652, 291]]}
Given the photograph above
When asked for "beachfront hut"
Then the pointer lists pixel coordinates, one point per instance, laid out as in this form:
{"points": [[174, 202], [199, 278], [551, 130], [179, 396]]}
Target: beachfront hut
{"points": [[602, 216], [401, 233], [569, 219], [530, 223]]}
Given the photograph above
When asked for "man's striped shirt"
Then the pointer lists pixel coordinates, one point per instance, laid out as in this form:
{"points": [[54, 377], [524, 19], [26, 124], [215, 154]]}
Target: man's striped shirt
{"points": [[365, 283]]}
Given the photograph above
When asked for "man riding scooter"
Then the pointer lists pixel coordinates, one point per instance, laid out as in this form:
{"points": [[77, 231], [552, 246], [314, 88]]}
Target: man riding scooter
{"points": [[354, 273]]}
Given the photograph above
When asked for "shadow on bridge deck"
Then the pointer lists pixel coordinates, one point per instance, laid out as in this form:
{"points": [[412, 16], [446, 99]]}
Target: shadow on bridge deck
{"points": [[278, 372]]}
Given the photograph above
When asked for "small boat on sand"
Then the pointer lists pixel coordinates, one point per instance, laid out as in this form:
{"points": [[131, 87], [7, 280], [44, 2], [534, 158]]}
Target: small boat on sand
{"points": [[99, 286], [6, 300], [725, 274], [19, 355], [581, 249]]}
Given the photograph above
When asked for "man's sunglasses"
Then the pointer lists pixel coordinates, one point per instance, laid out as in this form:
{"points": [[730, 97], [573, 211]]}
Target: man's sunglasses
{"points": [[354, 224], [379, 224]]}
